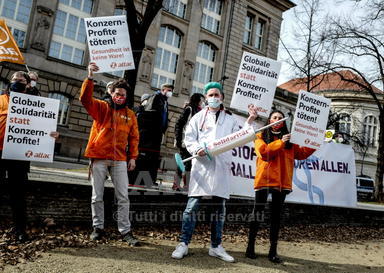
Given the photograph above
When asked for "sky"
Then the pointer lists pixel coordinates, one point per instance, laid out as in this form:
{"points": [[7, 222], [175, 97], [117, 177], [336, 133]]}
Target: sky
{"points": [[334, 7]]}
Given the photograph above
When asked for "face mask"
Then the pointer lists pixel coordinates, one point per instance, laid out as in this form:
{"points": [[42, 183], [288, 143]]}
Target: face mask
{"points": [[119, 100], [277, 126], [17, 87], [213, 102], [169, 94], [33, 83]]}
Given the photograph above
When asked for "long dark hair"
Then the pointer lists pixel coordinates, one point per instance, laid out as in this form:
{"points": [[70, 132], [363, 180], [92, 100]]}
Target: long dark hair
{"points": [[194, 102], [267, 134]]}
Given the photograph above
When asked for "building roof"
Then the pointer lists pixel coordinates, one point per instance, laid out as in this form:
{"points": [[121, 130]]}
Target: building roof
{"points": [[325, 82]]}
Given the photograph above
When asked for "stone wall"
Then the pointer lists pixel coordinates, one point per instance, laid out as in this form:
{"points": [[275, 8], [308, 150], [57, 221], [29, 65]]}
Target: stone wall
{"points": [[70, 204]]}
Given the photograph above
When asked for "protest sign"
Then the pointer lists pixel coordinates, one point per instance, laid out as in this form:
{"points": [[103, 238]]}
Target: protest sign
{"points": [[9, 51], [30, 121], [109, 43], [256, 83], [310, 120]]}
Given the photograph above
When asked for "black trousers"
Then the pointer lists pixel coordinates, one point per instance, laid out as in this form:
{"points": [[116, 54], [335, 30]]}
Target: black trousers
{"points": [[146, 162], [278, 198], [13, 178]]}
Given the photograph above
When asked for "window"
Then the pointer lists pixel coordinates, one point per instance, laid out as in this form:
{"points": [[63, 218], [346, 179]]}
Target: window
{"points": [[255, 31], [345, 126], [204, 67], [369, 131], [176, 7], [63, 108], [211, 15], [167, 55], [69, 37], [17, 13]]}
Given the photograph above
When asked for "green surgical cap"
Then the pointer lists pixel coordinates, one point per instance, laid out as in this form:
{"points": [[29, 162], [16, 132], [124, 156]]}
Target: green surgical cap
{"points": [[211, 85]]}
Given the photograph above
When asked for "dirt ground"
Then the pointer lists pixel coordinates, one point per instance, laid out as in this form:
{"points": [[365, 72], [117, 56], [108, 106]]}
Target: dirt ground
{"points": [[154, 256]]}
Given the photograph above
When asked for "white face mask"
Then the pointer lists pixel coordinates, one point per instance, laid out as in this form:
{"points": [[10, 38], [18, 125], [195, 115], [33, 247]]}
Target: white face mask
{"points": [[340, 140], [169, 94], [213, 102], [33, 83]]}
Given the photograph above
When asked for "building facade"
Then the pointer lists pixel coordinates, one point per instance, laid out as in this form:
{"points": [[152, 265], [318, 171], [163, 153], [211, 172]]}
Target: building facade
{"points": [[189, 43]]}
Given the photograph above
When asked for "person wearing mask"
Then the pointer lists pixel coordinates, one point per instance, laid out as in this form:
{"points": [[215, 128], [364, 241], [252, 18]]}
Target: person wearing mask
{"points": [[14, 173], [274, 170], [195, 104], [32, 87], [114, 128], [153, 123], [209, 178]]}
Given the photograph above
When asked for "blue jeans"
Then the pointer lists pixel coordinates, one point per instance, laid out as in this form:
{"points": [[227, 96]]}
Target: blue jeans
{"points": [[217, 216]]}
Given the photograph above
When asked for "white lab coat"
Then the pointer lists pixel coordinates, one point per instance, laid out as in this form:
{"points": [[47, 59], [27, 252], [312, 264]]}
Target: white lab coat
{"points": [[209, 177]]}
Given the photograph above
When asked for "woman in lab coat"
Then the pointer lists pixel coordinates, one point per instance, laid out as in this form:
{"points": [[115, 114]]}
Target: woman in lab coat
{"points": [[210, 178]]}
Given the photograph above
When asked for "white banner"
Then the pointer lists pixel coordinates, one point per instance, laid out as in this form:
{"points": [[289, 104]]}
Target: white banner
{"points": [[30, 121], [109, 43], [310, 121], [256, 83], [327, 177]]}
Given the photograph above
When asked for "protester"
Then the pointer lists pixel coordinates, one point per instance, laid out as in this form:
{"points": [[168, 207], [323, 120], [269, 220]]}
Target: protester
{"points": [[108, 91], [195, 104], [14, 173], [114, 127], [153, 122], [209, 178], [32, 88], [274, 170]]}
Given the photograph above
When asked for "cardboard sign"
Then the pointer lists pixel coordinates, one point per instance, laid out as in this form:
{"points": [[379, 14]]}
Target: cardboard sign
{"points": [[310, 120], [109, 43], [256, 83], [9, 51], [30, 121]]}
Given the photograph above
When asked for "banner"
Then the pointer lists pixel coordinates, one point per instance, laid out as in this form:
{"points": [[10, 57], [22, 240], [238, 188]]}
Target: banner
{"points": [[109, 43], [9, 51], [310, 121], [256, 83], [327, 177], [30, 121]]}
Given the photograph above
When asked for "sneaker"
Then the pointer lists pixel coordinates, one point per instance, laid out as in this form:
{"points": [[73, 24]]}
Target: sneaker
{"points": [[180, 251], [220, 253], [130, 239], [97, 234]]}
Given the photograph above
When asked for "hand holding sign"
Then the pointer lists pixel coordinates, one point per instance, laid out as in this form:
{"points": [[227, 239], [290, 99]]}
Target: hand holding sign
{"points": [[92, 67]]}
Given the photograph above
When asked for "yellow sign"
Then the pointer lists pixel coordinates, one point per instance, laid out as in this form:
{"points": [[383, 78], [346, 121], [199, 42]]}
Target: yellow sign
{"points": [[329, 135], [9, 51]]}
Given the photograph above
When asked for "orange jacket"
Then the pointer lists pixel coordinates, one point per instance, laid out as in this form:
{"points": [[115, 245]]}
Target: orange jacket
{"points": [[274, 165], [4, 102], [112, 130]]}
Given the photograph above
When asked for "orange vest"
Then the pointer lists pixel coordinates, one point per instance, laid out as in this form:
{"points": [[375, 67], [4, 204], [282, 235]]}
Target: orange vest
{"points": [[4, 102], [112, 130], [274, 165]]}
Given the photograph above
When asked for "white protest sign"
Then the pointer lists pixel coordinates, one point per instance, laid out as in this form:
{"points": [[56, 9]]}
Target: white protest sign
{"points": [[30, 121], [256, 83], [310, 120], [109, 43]]}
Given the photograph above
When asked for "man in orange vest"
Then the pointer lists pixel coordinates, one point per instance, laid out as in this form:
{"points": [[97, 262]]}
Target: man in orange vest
{"points": [[114, 128]]}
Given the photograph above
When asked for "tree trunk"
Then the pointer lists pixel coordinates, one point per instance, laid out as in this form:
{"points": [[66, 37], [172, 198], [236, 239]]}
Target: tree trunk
{"points": [[379, 195]]}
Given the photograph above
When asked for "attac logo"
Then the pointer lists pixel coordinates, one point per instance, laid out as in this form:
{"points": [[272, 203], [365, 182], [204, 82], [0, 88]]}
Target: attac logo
{"points": [[29, 154], [4, 38], [307, 141], [113, 65]]}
